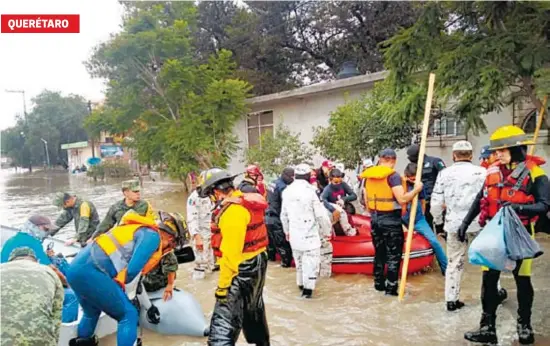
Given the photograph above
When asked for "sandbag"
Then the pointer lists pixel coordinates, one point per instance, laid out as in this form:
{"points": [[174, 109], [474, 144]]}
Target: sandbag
{"points": [[519, 243], [489, 248]]}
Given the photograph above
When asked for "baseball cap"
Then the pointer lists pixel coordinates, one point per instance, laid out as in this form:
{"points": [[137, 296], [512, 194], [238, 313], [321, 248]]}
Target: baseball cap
{"points": [[462, 146], [132, 185], [39, 220], [388, 153], [302, 169], [21, 252], [485, 152]]}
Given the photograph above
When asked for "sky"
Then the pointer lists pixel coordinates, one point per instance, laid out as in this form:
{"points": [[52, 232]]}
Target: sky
{"points": [[34, 62]]}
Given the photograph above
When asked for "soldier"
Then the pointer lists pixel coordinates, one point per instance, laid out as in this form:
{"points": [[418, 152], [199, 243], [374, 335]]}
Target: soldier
{"points": [[454, 192], [199, 215], [163, 276], [84, 214], [31, 301], [132, 200]]}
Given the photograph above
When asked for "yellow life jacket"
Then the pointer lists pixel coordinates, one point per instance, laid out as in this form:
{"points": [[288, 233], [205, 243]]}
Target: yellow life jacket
{"points": [[379, 195]]}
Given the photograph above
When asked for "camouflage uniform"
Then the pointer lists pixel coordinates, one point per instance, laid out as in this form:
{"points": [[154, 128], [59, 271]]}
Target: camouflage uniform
{"points": [[326, 259], [31, 302], [199, 214], [85, 218], [117, 210], [158, 278]]}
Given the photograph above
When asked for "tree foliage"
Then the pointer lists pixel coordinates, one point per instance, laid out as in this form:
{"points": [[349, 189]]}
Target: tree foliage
{"points": [[280, 150], [55, 118], [356, 130], [484, 55], [176, 110]]}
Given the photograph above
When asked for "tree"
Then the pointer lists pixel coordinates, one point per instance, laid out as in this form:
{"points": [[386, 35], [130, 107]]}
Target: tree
{"points": [[279, 150], [484, 54], [177, 110], [356, 131]]}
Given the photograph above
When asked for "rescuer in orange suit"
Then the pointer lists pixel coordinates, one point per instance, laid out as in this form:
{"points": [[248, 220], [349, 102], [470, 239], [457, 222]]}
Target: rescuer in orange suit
{"points": [[240, 240]]}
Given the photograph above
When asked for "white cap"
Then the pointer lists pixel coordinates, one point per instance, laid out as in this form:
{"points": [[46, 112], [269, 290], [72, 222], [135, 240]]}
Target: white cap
{"points": [[340, 166], [302, 169], [462, 146], [368, 163]]}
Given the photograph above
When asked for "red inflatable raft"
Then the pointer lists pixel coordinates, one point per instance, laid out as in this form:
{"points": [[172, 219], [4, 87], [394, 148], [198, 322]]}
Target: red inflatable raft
{"points": [[355, 255]]}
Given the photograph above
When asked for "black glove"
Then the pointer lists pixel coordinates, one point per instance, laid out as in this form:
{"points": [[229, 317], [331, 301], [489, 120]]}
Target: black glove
{"points": [[153, 315], [516, 207], [462, 232], [439, 229]]}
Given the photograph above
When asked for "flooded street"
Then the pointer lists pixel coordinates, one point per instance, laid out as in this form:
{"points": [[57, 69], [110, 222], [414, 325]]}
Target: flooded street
{"points": [[345, 310]]}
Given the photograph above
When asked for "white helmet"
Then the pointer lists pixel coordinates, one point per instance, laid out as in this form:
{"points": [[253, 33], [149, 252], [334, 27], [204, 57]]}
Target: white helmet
{"points": [[302, 169]]}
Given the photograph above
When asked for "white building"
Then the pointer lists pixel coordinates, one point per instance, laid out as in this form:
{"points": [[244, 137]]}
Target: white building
{"points": [[304, 108]]}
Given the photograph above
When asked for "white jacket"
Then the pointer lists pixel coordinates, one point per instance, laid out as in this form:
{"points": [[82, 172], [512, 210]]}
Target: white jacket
{"points": [[455, 190], [304, 218], [199, 213]]}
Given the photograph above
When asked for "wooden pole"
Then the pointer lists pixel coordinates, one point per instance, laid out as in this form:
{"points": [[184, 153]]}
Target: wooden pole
{"points": [[539, 124], [412, 220]]}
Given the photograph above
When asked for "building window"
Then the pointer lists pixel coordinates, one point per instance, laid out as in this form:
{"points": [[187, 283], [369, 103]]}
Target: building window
{"points": [[446, 127], [257, 124]]}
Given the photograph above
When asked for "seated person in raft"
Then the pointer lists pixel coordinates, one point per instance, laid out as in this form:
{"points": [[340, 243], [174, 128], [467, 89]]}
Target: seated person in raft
{"points": [[335, 196]]}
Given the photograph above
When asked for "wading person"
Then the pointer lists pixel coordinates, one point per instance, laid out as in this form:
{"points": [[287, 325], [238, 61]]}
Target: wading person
{"points": [[306, 224], [385, 198], [242, 242], [82, 212], [454, 192], [31, 301], [516, 180]]}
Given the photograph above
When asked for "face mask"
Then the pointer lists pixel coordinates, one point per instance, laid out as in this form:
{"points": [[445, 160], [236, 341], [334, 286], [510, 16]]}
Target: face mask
{"points": [[33, 230]]}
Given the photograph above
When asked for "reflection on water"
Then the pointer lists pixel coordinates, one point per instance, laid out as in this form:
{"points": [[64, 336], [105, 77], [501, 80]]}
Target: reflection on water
{"points": [[345, 309]]}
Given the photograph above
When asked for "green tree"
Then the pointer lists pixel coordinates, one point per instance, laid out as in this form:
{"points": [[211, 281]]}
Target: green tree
{"points": [[356, 131], [484, 55], [279, 150], [177, 110]]}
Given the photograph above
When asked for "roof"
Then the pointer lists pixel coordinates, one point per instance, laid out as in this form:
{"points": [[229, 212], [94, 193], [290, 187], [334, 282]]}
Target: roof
{"points": [[366, 80]]}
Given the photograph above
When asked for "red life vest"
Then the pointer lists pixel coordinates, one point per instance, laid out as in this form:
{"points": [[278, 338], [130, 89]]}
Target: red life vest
{"points": [[256, 231], [512, 188]]}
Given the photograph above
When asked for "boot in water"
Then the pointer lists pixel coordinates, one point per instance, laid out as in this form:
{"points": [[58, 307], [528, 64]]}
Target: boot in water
{"points": [[306, 293], [91, 341], [301, 287], [138, 342], [486, 334], [525, 332], [380, 286], [453, 306], [502, 295]]}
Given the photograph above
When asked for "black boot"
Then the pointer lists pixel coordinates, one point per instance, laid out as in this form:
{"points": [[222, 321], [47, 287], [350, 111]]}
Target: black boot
{"points": [[380, 286], [502, 295], [391, 289], [306, 293], [525, 332], [486, 334], [301, 287], [452, 306], [91, 341], [138, 342]]}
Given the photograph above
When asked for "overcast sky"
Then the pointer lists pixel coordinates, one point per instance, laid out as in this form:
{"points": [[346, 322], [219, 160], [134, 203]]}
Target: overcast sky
{"points": [[34, 62]]}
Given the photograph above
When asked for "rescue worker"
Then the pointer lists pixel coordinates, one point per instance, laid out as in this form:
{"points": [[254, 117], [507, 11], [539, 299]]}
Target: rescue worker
{"points": [[334, 198], [199, 215], [84, 214], [31, 235], [385, 198], [241, 243], [134, 247], [250, 182], [31, 301], [306, 224], [132, 201], [487, 157], [516, 180], [277, 239], [360, 187], [454, 192], [322, 175], [421, 225], [432, 167]]}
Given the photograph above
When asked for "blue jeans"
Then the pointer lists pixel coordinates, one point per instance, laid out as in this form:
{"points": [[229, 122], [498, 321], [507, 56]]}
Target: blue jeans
{"points": [[422, 227]]}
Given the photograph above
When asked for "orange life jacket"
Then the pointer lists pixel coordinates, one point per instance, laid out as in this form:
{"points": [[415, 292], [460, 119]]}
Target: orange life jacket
{"points": [[513, 188], [256, 231], [378, 193], [119, 244]]}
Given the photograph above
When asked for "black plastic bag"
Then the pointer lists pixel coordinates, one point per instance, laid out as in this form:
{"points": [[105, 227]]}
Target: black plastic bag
{"points": [[519, 243]]}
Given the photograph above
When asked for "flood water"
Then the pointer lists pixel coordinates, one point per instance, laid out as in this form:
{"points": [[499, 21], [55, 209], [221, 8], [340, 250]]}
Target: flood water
{"points": [[345, 310]]}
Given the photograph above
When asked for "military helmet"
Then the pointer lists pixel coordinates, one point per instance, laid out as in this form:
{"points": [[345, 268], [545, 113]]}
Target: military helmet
{"points": [[509, 136], [175, 225], [215, 177]]}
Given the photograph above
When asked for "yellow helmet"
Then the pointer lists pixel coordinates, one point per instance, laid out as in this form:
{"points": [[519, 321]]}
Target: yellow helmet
{"points": [[509, 136]]}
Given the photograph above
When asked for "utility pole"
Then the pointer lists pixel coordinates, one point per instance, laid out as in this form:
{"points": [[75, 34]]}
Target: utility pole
{"points": [[22, 92], [47, 153]]}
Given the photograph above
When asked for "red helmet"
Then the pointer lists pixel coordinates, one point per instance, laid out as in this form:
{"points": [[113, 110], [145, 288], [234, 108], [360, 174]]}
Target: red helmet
{"points": [[253, 171], [328, 164]]}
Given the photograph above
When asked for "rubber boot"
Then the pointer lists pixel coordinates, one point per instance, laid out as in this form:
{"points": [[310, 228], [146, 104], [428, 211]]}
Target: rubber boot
{"points": [[486, 334], [306, 293], [380, 286], [91, 341], [301, 287], [525, 332], [453, 306], [502, 295], [138, 342]]}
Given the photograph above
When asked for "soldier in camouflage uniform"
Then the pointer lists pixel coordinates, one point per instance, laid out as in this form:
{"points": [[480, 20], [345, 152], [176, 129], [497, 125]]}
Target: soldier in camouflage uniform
{"points": [[132, 200], [31, 301], [163, 276], [84, 214], [199, 215]]}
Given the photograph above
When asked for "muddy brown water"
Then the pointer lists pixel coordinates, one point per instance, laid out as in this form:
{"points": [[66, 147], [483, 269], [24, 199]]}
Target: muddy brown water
{"points": [[345, 309]]}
